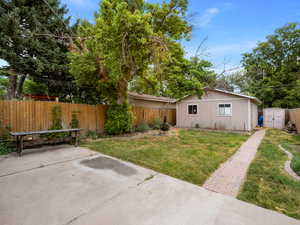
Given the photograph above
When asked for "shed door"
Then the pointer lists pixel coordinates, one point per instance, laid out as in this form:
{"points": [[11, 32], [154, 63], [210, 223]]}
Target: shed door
{"points": [[279, 119], [274, 118], [269, 119]]}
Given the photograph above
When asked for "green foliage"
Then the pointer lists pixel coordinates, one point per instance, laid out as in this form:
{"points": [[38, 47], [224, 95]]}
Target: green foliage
{"points": [[56, 118], [272, 69], [5, 147], [155, 124], [38, 43], [267, 184], [127, 38], [165, 126], [143, 127], [56, 122], [296, 164], [92, 134], [191, 155], [3, 87], [119, 119], [74, 122], [4, 130], [178, 77], [34, 88], [5, 140]]}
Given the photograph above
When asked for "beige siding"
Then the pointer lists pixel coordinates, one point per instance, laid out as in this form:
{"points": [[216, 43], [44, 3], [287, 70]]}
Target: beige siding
{"points": [[254, 115], [207, 115], [151, 104]]}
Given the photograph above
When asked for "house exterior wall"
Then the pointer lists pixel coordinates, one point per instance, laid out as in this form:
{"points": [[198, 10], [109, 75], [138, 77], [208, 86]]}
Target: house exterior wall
{"points": [[151, 104], [254, 115], [207, 114]]}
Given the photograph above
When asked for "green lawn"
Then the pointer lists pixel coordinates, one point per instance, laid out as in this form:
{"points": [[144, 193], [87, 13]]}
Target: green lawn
{"points": [[295, 150], [267, 184], [191, 155]]}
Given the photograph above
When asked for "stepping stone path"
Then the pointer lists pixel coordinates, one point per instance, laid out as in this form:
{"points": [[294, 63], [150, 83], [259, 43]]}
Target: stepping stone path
{"points": [[229, 177]]}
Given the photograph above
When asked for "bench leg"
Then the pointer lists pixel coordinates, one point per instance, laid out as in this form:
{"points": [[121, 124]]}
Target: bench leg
{"points": [[76, 139], [21, 146], [17, 144]]}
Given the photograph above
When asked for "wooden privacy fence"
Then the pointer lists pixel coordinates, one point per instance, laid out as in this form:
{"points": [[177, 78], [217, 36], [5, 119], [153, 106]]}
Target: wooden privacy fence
{"points": [[36, 115], [294, 115]]}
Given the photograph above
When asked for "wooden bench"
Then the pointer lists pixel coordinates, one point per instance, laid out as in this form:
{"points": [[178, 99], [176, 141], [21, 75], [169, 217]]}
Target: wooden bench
{"points": [[20, 136]]}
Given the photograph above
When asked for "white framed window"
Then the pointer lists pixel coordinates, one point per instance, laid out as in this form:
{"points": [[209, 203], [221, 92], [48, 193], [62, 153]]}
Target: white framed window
{"points": [[225, 109], [192, 109]]}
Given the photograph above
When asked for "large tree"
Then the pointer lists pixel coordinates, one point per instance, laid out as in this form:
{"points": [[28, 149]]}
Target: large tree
{"points": [[129, 38], [34, 40], [272, 69], [178, 78]]}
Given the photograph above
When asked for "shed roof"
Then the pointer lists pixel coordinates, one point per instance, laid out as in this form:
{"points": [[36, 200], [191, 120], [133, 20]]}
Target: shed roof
{"points": [[256, 100], [151, 97]]}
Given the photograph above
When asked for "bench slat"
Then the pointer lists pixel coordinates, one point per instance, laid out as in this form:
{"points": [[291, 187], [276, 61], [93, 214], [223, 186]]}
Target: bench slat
{"points": [[43, 132]]}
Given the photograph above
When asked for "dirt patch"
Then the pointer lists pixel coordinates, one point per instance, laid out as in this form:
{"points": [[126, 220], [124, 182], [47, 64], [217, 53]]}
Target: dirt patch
{"points": [[108, 163]]}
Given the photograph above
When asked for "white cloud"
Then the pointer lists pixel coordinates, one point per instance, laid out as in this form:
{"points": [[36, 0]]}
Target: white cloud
{"points": [[206, 17]]}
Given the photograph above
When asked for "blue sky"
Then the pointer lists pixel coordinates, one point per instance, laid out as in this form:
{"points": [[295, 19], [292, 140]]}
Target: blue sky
{"points": [[232, 27]]}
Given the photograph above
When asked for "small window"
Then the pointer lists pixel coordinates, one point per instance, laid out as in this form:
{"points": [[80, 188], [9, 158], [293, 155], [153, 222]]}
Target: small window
{"points": [[225, 109], [192, 109]]}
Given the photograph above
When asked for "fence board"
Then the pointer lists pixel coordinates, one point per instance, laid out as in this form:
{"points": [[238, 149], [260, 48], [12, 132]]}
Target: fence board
{"points": [[294, 115], [36, 115]]}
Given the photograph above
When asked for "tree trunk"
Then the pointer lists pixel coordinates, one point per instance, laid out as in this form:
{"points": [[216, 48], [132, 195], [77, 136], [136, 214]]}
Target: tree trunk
{"points": [[122, 92], [20, 86], [12, 86]]}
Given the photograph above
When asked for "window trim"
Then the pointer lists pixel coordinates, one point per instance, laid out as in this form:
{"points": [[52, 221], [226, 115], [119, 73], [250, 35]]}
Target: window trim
{"points": [[195, 113], [224, 103]]}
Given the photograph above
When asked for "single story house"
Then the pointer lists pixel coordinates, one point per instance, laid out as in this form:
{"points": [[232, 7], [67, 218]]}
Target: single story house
{"points": [[217, 109], [150, 101]]}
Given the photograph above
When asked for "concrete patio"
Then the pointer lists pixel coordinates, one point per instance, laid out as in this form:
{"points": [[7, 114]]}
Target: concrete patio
{"points": [[66, 185]]}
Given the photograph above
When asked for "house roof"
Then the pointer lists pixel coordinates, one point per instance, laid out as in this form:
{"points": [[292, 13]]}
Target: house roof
{"points": [[256, 100], [151, 98]]}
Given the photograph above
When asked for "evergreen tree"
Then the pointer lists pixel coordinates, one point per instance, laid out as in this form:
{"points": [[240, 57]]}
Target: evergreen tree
{"points": [[34, 40]]}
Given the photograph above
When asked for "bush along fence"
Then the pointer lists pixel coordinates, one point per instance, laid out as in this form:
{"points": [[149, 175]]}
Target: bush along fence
{"points": [[37, 115]]}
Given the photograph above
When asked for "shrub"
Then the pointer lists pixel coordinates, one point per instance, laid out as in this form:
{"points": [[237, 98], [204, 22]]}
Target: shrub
{"points": [[92, 134], [5, 148], [296, 164], [165, 127], [142, 127], [56, 118], [56, 122], [74, 122], [156, 124], [4, 131], [119, 119]]}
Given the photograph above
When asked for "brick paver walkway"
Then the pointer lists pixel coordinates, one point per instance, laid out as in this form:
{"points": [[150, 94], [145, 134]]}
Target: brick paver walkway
{"points": [[229, 177]]}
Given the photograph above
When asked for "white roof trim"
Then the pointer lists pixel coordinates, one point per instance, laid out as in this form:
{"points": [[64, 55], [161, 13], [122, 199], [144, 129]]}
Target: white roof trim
{"points": [[151, 98], [227, 92]]}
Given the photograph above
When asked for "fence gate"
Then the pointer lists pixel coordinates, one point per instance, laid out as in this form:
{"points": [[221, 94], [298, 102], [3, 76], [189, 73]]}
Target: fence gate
{"points": [[274, 118]]}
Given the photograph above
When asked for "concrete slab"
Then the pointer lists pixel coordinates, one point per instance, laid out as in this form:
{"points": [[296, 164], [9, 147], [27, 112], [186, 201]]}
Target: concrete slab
{"points": [[77, 186]]}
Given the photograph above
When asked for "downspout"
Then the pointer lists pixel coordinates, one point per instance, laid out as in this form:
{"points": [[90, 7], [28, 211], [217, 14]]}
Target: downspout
{"points": [[249, 115]]}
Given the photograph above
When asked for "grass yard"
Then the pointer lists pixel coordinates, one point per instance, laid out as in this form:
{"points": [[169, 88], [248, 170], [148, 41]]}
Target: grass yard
{"points": [[295, 150], [191, 155], [267, 184]]}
